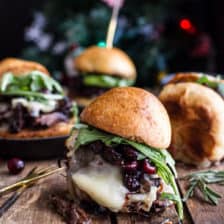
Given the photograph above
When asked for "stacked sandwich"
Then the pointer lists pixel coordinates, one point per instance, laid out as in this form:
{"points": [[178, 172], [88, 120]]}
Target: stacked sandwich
{"points": [[99, 69], [32, 104], [117, 156], [195, 105]]}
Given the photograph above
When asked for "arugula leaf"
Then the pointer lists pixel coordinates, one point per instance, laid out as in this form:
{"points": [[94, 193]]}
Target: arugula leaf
{"points": [[6, 80], [34, 81], [162, 160], [31, 86], [106, 81], [141, 156], [34, 95], [205, 80], [214, 84], [169, 196], [74, 109]]}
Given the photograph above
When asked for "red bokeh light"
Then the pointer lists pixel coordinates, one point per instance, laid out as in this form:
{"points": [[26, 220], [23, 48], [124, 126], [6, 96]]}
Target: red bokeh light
{"points": [[185, 24]]}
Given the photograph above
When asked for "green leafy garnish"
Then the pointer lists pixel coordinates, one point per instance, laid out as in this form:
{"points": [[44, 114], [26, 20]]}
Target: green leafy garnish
{"points": [[214, 84], [200, 180], [206, 81], [75, 109], [161, 158], [106, 81], [31, 86], [171, 197]]}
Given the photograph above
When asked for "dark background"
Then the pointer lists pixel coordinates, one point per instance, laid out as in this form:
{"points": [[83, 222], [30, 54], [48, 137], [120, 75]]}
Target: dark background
{"points": [[14, 16], [208, 15]]}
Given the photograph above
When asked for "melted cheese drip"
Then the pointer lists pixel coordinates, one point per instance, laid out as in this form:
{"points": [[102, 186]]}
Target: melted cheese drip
{"points": [[103, 183], [35, 107]]}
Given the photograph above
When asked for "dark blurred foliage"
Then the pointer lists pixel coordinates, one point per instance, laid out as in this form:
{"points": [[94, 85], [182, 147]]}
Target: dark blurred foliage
{"points": [[149, 31]]}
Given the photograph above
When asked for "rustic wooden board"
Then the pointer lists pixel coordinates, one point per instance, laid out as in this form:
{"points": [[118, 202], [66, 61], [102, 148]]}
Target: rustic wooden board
{"points": [[34, 207], [199, 210]]}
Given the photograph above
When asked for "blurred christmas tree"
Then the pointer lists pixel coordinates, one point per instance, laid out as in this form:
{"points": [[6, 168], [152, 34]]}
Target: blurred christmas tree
{"points": [[152, 32]]}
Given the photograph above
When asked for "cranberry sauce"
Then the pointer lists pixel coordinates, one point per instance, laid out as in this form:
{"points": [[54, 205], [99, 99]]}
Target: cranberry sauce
{"points": [[136, 173]]}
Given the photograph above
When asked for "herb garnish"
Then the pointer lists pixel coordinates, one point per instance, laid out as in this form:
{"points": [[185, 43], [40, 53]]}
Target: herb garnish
{"points": [[212, 83], [200, 180], [34, 85], [106, 81]]}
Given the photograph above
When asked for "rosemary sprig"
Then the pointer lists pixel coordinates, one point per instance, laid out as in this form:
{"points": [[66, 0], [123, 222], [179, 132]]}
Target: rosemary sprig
{"points": [[32, 177], [19, 187], [200, 180]]}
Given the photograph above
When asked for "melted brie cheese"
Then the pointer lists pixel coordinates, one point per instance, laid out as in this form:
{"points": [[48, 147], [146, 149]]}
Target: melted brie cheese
{"points": [[103, 183], [35, 107]]}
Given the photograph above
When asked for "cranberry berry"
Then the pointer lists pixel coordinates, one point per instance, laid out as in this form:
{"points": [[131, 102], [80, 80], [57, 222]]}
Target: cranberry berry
{"points": [[130, 166], [131, 181], [147, 167], [15, 165]]}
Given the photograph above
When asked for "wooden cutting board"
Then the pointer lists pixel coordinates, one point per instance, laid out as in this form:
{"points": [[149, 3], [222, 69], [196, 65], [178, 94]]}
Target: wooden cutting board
{"points": [[200, 211], [33, 206]]}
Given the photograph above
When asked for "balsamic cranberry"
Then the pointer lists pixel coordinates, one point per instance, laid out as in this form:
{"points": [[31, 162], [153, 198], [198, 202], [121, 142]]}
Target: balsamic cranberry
{"points": [[131, 181], [129, 153], [112, 156], [130, 166], [147, 167], [15, 165]]}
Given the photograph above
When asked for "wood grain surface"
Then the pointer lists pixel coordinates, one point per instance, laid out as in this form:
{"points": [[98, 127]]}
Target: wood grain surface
{"points": [[200, 211], [33, 206]]}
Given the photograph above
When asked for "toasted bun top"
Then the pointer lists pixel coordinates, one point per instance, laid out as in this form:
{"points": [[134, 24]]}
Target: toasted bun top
{"points": [[110, 61], [132, 113], [20, 67]]}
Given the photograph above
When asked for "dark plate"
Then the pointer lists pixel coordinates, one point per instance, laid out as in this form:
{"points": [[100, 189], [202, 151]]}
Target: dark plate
{"points": [[33, 149]]}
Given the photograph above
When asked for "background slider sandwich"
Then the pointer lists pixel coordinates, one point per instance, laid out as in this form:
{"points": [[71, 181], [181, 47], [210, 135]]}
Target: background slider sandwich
{"points": [[195, 105], [32, 104], [100, 69], [117, 157]]}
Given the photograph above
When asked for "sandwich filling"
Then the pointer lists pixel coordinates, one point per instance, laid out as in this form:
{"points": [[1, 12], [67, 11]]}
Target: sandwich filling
{"points": [[119, 174], [92, 84], [33, 101], [213, 83]]}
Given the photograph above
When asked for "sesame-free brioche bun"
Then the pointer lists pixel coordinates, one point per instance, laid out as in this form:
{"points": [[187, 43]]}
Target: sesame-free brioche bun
{"points": [[59, 129], [132, 113], [109, 61], [197, 117], [20, 67]]}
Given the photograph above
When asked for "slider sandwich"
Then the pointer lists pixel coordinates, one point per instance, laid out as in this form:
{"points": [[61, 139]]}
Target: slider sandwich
{"points": [[32, 104], [195, 105], [99, 69], [117, 158]]}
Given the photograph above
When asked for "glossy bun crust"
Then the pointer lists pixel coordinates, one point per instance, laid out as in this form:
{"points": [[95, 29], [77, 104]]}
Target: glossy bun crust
{"points": [[109, 61], [20, 67], [197, 117], [132, 113]]}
